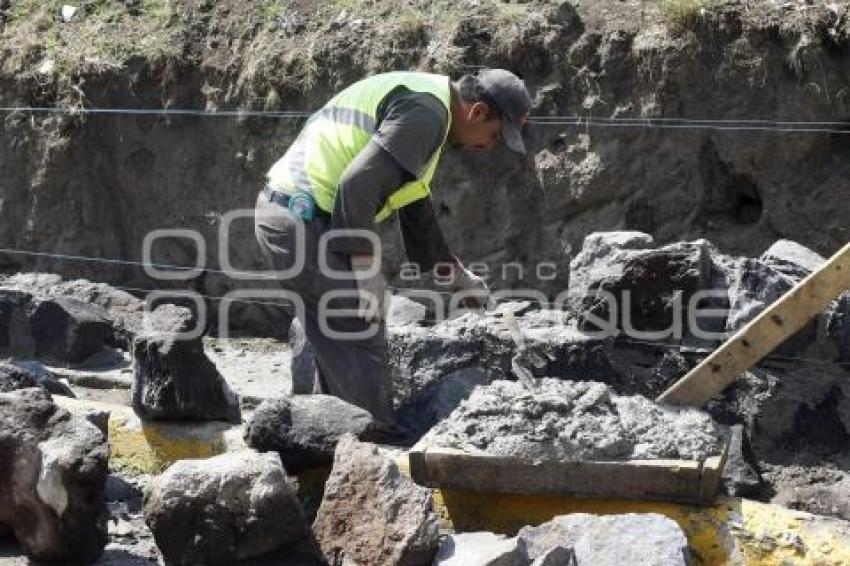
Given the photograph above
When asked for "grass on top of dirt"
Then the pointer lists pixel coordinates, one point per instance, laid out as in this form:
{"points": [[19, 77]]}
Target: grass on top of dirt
{"points": [[684, 14], [99, 34], [297, 38], [303, 45]]}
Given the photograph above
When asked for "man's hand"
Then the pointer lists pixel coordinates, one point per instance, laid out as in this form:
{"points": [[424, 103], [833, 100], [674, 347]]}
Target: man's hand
{"points": [[372, 287], [477, 289]]}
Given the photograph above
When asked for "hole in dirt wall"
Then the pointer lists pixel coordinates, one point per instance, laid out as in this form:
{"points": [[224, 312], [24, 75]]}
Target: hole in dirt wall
{"points": [[728, 197]]}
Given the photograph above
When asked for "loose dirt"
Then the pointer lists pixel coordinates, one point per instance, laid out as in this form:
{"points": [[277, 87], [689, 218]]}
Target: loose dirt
{"points": [[574, 421]]}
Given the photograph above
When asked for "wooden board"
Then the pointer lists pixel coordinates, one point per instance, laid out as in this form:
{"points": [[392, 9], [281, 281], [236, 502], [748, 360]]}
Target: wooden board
{"points": [[763, 334], [669, 480]]}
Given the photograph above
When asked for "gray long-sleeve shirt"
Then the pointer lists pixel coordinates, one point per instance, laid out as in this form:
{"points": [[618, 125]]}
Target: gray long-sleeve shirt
{"points": [[411, 127]]}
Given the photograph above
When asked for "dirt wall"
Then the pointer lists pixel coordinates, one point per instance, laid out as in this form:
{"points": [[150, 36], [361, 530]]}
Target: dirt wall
{"points": [[96, 184]]}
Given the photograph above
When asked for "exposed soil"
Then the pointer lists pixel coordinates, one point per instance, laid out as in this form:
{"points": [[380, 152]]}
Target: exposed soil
{"points": [[95, 184]]}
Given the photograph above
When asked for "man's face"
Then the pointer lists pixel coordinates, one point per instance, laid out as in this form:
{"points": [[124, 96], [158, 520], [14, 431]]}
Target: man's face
{"points": [[478, 129]]}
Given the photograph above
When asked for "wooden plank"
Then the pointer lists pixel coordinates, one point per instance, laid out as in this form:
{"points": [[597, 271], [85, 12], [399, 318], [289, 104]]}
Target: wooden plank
{"points": [[763, 334], [674, 480], [712, 472], [710, 476]]}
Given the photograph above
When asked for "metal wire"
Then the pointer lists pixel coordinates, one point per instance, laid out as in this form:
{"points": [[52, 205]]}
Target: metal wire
{"points": [[117, 261], [682, 348], [727, 124], [776, 127], [163, 292], [157, 112]]}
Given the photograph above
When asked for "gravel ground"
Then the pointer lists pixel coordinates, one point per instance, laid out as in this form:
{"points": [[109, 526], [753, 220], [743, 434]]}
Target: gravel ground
{"points": [[257, 368]]}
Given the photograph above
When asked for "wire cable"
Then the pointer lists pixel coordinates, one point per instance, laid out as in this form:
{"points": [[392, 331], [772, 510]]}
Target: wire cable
{"points": [[681, 348], [108, 260], [726, 124], [158, 112]]}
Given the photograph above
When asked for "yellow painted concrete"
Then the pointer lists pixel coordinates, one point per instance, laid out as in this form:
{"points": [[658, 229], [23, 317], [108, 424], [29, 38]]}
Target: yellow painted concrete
{"points": [[776, 536], [732, 531], [151, 446]]}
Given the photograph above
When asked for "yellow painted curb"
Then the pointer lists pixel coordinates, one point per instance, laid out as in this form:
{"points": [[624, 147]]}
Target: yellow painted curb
{"points": [[775, 536], [732, 531], [139, 446]]}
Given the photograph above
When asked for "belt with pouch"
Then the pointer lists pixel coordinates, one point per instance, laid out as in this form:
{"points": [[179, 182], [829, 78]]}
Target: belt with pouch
{"points": [[283, 199]]}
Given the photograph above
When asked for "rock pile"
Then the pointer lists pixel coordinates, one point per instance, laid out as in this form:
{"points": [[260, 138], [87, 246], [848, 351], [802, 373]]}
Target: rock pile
{"points": [[784, 405], [69, 321], [787, 417]]}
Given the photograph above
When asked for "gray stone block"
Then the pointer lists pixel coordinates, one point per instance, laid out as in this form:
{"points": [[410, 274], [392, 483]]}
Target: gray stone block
{"points": [[556, 556], [68, 330], [611, 540], [372, 514], [15, 332], [52, 477], [480, 549], [230, 507], [305, 429], [792, 258], [172, 376]]}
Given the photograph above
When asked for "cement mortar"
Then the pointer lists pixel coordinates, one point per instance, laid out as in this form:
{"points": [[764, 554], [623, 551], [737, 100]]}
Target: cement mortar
{"points": [[574, 421]]}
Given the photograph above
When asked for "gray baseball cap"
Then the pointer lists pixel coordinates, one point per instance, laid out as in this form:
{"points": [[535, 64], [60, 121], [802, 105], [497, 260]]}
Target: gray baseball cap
{"points": [[511, 98]]}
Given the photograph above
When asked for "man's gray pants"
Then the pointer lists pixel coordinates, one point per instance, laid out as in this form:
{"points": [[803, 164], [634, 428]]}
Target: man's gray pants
{"points": [[353, 369]]}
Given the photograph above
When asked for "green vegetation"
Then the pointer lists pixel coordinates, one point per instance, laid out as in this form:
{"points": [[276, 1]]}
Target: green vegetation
{"points": [[684, 14], [344, 4], [108, 34], [108, 10], [100, 29], [272, 100], [21, 10], [510, 14], [102, 34], [411, 22]]}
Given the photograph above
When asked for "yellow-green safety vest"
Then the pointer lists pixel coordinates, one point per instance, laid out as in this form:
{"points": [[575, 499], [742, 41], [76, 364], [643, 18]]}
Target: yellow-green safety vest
{"points": [[334, 135]]}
